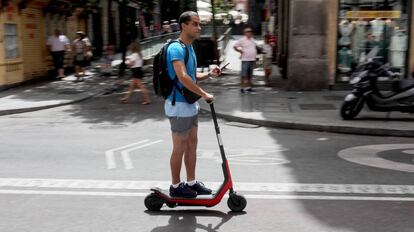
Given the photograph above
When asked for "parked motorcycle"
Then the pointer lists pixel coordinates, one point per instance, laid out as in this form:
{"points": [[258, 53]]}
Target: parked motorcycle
{"points": [[366, 91]]}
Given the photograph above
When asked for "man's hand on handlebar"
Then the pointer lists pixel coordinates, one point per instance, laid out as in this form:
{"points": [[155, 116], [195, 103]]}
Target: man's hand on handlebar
{"points": [[208, 97]]}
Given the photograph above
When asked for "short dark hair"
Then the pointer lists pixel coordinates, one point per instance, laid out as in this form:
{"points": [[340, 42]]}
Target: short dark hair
{"points": [[186, 17]]}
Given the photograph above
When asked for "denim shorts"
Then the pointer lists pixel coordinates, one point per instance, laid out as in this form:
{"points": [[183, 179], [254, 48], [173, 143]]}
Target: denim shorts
{"points": [[182, 125], [247, 69]]}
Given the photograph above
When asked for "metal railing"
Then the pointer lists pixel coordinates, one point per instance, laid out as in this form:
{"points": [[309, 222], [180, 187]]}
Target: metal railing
{"points": [[222, 42], [152, 45], [207, 30]]}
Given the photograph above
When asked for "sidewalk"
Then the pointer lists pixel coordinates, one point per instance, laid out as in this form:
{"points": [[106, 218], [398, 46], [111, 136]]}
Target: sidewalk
{"points": [[271, 107], [54, 93], [311, 110]]}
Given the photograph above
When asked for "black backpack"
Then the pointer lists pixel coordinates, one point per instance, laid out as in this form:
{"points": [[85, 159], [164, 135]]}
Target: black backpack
{"points": [[163, 85]]}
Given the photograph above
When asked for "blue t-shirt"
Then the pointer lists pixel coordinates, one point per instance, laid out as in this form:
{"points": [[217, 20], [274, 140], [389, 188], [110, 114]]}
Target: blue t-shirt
{"points": [[181, 108]]}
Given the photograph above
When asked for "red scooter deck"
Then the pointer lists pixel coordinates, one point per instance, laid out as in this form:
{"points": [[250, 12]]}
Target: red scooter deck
{"points": [[164, 194]]}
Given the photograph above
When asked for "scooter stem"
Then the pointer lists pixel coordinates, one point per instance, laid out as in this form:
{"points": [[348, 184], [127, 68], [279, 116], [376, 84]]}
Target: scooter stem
{"points": [[218, 135], [225, 164]]}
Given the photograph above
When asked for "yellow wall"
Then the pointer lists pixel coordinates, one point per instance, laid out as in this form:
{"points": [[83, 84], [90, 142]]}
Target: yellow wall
{"points": [[11, 70], [34, 43], [33, 53]]}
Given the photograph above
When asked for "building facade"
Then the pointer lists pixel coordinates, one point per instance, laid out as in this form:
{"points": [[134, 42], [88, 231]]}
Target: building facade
{"points": [[321, 42], [11, 52], [25, 26]]}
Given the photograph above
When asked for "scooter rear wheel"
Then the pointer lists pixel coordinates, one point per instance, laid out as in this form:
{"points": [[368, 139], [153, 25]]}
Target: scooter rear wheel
{"points": [[236, 202], [350, 109], [153, 202], [171, 204]]}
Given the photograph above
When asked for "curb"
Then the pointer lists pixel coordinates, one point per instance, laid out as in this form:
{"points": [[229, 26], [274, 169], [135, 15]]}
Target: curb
{"points": [[31, 109], [295, 125]]}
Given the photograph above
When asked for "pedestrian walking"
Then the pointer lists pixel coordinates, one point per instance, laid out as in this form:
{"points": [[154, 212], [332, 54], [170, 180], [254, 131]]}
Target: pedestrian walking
{"points": [[57, 44], [247, 47], [107, 58], [166, 28], [174, 26], [135, 62], [81, 47], [267, 50], [183, 115]]}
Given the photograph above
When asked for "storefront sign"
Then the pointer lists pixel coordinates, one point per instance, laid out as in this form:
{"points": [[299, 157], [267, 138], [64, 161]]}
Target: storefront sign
{"points": [[393, 14]]}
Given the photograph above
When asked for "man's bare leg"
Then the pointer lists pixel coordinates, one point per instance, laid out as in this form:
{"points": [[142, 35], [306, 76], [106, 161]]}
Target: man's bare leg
{"points": [[190, 155], [179, 147]]}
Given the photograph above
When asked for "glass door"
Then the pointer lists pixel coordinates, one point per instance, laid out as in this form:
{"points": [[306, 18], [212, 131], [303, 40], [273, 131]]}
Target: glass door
{"points": [[372, 27]]}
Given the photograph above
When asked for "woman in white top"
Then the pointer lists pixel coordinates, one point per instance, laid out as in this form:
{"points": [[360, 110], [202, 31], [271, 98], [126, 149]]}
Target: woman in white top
{"points": [[135, 62], [267, 59]]}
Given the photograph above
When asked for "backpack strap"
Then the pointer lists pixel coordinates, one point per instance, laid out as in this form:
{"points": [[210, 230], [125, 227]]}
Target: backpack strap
{"points": [[186, 58]]}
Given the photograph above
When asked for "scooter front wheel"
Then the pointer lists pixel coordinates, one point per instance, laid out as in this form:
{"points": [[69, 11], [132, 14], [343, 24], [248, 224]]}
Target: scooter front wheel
{"points": [[350, 109], [236, 202], [153, 202]]}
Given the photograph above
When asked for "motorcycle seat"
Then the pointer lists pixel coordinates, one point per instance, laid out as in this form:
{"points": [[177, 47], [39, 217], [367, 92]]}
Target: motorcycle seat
{"points": [[402, 85]]}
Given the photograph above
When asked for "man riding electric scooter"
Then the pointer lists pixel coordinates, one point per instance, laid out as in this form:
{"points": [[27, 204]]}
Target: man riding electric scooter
{"points": [[181, 107], [183, 115]]}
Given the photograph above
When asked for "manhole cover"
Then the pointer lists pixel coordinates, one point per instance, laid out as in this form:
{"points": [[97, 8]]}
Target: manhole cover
{"points": [[317, 106], [334, 98], [107, 126], [70, 92]]}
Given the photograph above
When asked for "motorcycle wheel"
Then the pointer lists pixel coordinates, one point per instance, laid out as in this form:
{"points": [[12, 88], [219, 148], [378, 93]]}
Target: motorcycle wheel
{"points": [[351, 109]]}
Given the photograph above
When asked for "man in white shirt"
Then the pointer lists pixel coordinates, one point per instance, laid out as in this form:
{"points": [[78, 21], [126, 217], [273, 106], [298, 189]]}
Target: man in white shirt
{"points": [[57, 44], [247, 48]]}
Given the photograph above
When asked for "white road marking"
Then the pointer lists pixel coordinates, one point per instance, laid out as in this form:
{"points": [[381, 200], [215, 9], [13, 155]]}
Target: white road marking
{"points": [[126, 157], [367, 155], [264, 197], [322, 139], [110, 154], [238, 186], [410, 152], [256, 156], [340, 198]]}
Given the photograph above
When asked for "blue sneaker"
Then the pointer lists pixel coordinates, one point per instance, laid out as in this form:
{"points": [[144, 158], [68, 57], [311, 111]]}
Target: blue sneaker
{"points": [[199, 188], [182, 191]]}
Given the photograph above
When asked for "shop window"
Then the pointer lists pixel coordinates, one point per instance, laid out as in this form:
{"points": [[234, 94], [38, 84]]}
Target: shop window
{"points": [[377, 27], [11, 41]]}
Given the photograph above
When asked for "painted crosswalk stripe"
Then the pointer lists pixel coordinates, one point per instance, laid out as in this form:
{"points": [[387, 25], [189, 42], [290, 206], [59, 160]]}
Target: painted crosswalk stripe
{"points": [[248, 196], [126, 157], [311, 188], [110, 154]]}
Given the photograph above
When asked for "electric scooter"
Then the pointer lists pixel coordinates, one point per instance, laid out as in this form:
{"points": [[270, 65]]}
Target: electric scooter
{"points": [[236, 202], [401, 98]]}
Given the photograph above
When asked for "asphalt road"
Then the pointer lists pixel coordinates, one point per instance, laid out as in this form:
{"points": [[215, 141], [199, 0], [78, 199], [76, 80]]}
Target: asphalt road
{"points": [[88, 167]]}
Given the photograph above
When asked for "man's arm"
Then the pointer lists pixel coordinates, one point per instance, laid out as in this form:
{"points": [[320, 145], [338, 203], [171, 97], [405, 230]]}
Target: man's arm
{"points": [[237, 47], [67, 44], [205, 75], [186, 80], [202, 76]]}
